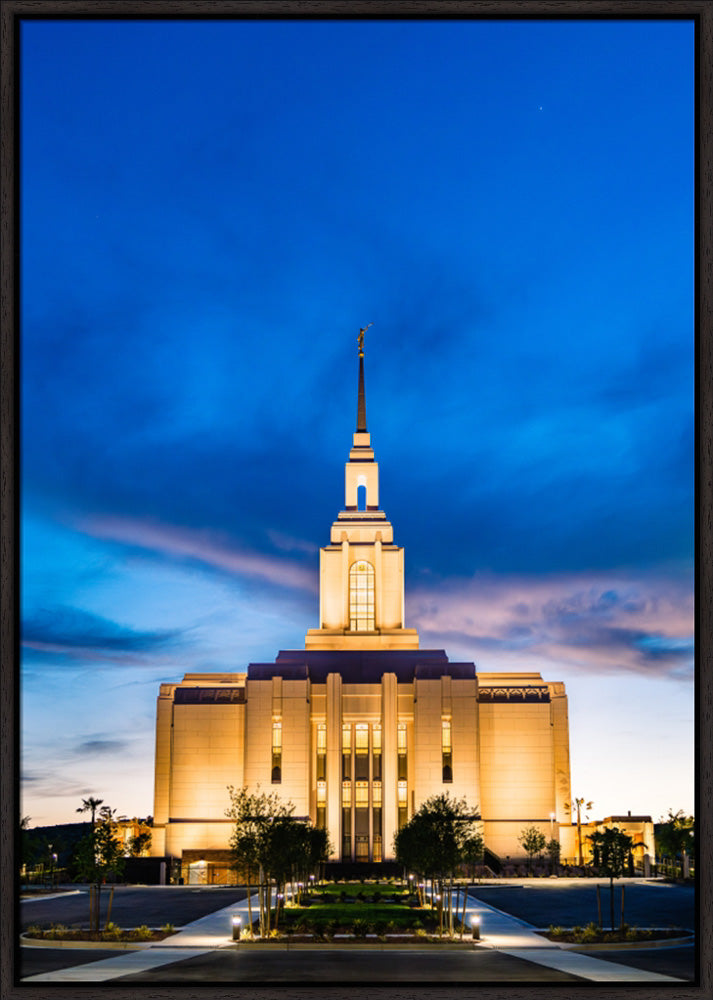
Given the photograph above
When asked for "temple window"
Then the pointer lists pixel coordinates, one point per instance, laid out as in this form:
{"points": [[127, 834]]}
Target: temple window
{"points": [[361, 597]]}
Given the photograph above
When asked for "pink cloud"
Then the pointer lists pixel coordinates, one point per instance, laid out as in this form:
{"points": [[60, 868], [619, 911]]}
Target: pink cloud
{"points": [[598, 623], [202, 546]]}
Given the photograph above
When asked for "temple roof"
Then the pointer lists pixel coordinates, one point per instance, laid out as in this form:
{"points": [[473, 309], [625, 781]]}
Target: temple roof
{"points": [[361, 666]]}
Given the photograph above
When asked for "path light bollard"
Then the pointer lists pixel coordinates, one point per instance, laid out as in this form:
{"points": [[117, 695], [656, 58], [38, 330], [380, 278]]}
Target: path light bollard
{"points": [[237, 921], [475, 924]]}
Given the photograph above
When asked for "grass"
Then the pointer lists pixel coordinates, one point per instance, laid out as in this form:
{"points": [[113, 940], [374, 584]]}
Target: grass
{"points": [[344, 915]]}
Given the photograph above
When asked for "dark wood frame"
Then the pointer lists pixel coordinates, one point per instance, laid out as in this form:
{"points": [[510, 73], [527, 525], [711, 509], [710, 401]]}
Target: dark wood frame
{"points": [[11, 14]]}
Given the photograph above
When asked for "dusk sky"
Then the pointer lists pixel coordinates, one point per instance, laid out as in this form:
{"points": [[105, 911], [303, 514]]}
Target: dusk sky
{"points": [[209, 212]]}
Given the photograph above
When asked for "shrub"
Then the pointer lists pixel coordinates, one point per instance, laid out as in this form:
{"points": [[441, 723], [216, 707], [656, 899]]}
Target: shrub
{"points": [[55, 931], [34, 930], [590, 933], [376, 897], [168, 929], [143, 933], [112, 930], [330, 928], [556, 931], [360, 927], [380, 927]]}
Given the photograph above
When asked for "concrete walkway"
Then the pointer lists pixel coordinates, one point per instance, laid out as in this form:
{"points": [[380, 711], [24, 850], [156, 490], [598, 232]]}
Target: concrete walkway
{"points": [[499, 931], [515, 937], [206, 934]]}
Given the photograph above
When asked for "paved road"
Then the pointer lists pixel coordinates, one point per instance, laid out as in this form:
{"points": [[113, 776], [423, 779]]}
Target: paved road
{"points": [[651, 904], [133, 905], [338, 967], [677, 962]]}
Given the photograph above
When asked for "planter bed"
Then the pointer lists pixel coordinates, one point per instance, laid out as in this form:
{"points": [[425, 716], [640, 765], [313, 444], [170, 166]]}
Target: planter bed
{"points": [[633, 938]]}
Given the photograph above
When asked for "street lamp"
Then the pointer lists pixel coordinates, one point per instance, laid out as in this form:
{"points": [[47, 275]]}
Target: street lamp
{"points": [[237, 921]]}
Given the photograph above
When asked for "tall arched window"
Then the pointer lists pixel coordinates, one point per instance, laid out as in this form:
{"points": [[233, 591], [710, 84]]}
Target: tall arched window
{"points": [[361, 597]]}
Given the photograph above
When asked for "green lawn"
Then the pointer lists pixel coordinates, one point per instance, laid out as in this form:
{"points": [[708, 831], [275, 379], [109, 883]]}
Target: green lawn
{"points": [[336, 908]]}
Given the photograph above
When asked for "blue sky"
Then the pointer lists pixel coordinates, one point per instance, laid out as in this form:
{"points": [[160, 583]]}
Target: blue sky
{"points": [[210, 211]]}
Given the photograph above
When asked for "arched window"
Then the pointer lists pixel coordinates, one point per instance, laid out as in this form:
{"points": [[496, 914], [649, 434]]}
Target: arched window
{"points": [[361, 597], [361, 496]]}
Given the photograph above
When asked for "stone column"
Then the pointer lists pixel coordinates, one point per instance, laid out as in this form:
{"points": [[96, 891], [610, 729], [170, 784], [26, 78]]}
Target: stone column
{"points": [[345, 581], [334, 763], [378, 583], [389, 721]]}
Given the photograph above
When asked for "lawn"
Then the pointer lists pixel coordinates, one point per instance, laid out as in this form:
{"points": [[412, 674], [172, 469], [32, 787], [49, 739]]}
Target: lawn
{"points": [[358, 908]]}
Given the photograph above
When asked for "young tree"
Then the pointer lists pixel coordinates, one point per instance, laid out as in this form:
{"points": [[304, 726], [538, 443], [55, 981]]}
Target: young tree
{"points": [[611, 848], [270, 846], [435, 842], [533, 841], [97, 856], [139, 843], [554, 849]]}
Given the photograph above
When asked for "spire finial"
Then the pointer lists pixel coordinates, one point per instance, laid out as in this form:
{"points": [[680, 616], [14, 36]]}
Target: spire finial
{"points": [[360, 338], [361, 400]]}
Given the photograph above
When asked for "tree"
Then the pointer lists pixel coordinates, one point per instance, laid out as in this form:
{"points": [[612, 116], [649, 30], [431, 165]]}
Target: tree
{"points": [[270, 847], [442, 836], [97, 856], [675, 836], [611, 848], [553, 848], [533, 841], [139, 843], [90, 805], [580, 804]]}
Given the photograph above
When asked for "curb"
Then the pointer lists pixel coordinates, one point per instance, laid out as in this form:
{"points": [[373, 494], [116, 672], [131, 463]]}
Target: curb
{"points": [[32, 942], [631, 945], [353, 946]]}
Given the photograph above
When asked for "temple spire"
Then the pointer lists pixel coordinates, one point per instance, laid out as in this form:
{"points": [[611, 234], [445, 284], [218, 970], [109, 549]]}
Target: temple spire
{"points": [[361, 399]]}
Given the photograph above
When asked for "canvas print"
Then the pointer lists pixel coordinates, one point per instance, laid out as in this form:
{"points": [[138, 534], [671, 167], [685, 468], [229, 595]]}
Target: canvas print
{"points": [[357, 501]]}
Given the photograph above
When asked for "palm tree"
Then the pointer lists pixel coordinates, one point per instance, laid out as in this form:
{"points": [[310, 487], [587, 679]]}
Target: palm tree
{"points": [[90, 805], [578, 803]]}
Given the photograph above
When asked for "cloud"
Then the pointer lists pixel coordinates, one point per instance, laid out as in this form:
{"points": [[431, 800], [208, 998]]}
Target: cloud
{"points": [[73, 632], [595, 624], [202, 547], [94, 748]]}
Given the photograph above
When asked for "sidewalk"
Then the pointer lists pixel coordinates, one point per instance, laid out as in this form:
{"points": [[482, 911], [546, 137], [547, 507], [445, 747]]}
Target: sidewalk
{"points": [[515, 937]]}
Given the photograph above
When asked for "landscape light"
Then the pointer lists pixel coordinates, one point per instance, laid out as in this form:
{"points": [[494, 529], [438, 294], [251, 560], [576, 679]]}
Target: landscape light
{"points": [[475, 925], [236, 927]]}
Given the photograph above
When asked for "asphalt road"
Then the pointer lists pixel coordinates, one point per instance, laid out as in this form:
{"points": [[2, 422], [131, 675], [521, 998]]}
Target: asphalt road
{"points": [[339, 967], [132, 905], [653, 904]]}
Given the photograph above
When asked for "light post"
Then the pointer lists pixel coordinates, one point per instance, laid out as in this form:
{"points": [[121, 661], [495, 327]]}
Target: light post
{"points": [[54, 868], [237, 921], [475, 927]]}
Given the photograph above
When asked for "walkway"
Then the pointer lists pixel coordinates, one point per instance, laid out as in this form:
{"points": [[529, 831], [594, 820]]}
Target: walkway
{"points": [[499, 932]]}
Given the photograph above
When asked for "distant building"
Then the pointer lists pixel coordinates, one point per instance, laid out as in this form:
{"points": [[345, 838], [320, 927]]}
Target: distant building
{"points": [[361, 726]]}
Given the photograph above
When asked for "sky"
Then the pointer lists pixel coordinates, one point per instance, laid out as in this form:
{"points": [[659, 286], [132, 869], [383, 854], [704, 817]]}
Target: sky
{"points": [[210, 210]]}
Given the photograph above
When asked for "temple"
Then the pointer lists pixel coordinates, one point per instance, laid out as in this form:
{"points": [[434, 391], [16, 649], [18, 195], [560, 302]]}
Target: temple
{"points": [[361, 726]]}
